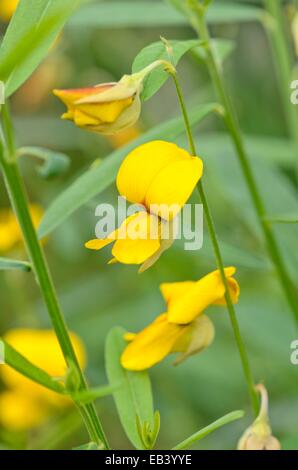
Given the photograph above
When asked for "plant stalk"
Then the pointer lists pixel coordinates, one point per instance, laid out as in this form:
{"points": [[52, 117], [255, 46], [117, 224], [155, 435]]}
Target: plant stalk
{"points": [[219, 261], [235, 133], [284, 61], [19, 201]]}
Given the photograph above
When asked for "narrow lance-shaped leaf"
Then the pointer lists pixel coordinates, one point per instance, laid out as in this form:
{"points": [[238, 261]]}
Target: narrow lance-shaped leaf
{"points": [[97, 179], [132, 14], [31, 32], [134, 398], [7, 264], [18, 362]]}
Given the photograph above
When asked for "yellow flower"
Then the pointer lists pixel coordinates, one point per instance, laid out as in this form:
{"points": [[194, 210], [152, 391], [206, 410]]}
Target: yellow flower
{"points": [[161, 177], [7, 8], [259, 435], [108, 108], [33, 401], [183, 328], [10, 233]]}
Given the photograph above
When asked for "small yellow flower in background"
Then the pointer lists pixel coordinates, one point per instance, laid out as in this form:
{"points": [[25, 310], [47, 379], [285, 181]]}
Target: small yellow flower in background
{"points": [[161, 177], [259, 435], [183, 328], [25, 404], [10, 233], [7, 9]]}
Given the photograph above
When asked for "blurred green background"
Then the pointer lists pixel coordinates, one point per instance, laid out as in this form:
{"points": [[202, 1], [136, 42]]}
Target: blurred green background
{"points": [[95, 297]]}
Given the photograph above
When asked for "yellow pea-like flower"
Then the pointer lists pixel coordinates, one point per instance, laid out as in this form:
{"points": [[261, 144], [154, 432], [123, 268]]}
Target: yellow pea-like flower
{"points": [[161, 177], [7, 9], [10, 233], [184, 327], [42, 349]]}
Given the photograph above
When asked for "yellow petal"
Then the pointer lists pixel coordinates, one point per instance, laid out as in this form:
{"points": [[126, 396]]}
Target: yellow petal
{"points": [[10, 233], [94, 106], [94, 114], [20, 412], [71, 96], [142, 165], [172, 187], [172, 291], [129, 336], [98, 244], [151, 345], [141, 240], [7, 8], [205, 292]]}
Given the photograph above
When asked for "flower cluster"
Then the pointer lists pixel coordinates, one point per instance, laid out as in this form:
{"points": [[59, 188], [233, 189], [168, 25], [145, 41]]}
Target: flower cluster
{"points": [[161, 177]]}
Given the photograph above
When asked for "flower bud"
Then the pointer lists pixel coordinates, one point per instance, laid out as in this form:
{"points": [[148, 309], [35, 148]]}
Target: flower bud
{"points": [[259, 435], [107, 108], [197, 337]]}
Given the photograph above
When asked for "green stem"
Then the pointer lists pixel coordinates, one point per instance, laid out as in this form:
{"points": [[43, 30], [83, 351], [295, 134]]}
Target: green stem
{"points": [[234, 130], [224, 420], [219, 260], [19, 201], [284, 61]]}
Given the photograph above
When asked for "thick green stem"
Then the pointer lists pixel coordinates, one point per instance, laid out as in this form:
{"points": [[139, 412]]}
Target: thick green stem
{"points": [[19, 201], [284, 61], [234, 130], [219, 261]]}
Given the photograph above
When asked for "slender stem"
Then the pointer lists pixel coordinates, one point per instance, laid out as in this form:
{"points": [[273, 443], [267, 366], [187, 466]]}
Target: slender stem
{"points": [[19, 201], [219, 260], [234, 130], [284, 61]]}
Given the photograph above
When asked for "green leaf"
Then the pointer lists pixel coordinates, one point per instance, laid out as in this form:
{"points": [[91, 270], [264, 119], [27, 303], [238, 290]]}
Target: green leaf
{"points": [[134, 398], [88, 396], [140, 14], [30, 34], [157, 51], [222, 47], [89, 446], [19, 363], [96, 180], [229, 418], [54, 163], [6, 264]]}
